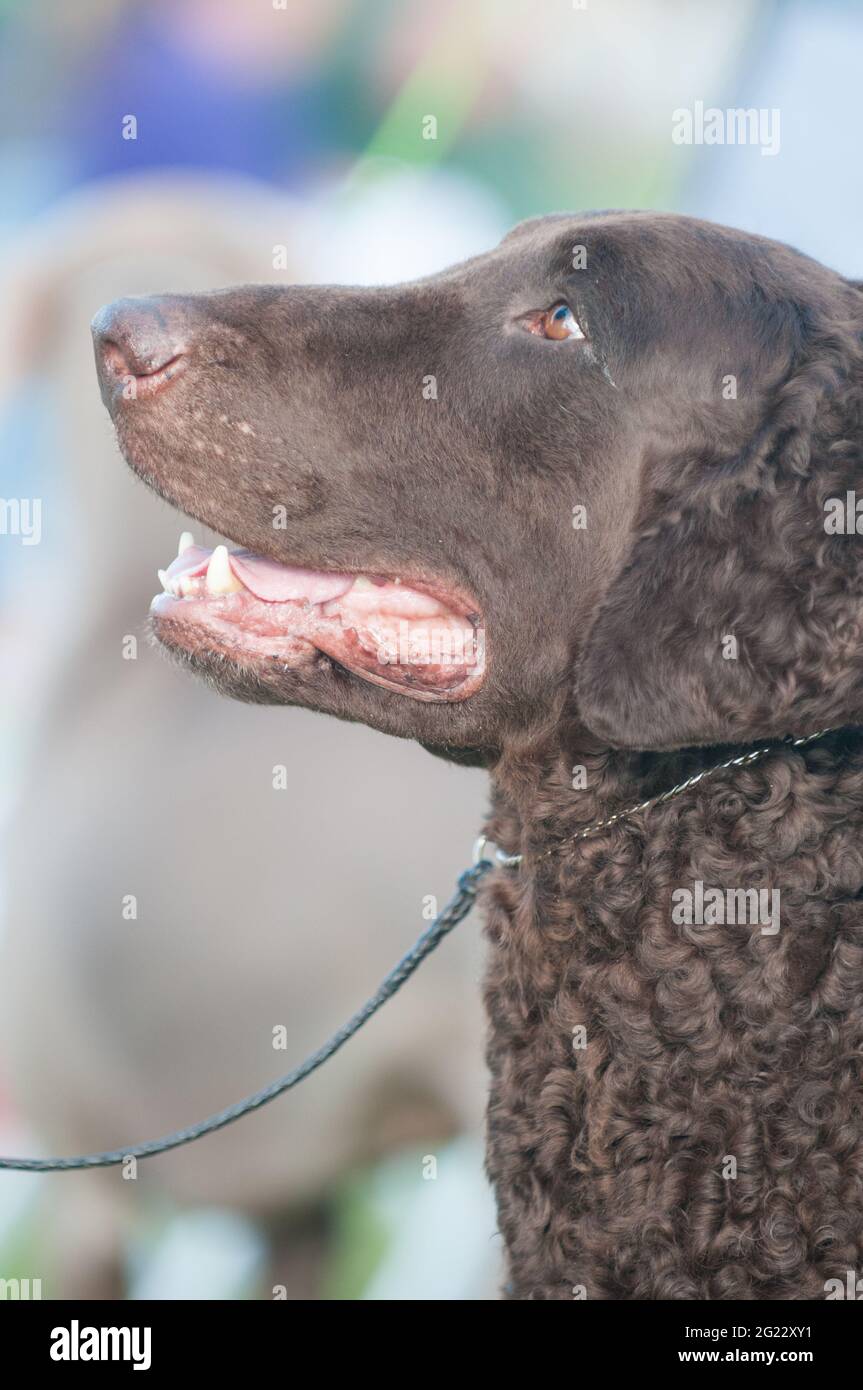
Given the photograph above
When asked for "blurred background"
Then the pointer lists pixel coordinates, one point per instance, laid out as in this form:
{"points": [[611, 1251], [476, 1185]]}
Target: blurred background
{"points": [[184, 144]]}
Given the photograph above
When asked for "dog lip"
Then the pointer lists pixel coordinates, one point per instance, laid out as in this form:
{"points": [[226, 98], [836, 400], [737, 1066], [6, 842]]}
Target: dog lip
{"points": [[126, 383]]}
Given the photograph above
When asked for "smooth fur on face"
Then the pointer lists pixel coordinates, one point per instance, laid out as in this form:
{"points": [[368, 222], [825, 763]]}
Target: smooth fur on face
{"points": [[304, 425], [426, 434]]}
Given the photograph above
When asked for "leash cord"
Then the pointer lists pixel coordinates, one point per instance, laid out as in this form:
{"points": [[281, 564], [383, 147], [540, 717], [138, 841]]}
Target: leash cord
{"points": [[455, 911]]}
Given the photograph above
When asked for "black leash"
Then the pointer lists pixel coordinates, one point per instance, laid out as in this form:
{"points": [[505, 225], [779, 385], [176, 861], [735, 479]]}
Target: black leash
{"points": [[455, 911]]}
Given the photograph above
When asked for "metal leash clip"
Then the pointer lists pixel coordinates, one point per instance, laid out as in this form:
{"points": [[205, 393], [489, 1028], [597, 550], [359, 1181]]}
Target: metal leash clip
{"points": [[506, 861]]}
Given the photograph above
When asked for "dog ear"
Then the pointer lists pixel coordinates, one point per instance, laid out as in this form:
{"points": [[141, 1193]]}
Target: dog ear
{"points": [[738, 613]]}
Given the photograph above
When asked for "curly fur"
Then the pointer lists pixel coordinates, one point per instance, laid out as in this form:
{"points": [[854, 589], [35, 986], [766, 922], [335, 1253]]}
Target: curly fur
{"points": [[702, 1042]]}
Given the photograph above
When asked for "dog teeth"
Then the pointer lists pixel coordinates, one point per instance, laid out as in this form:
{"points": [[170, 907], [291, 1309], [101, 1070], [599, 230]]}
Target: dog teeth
{"points": [[164, 580], [187, 540], [220, 577], [362, 583]]}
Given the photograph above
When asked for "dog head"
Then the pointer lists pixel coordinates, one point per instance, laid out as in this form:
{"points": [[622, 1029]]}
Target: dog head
{"points": [[589, 472]]}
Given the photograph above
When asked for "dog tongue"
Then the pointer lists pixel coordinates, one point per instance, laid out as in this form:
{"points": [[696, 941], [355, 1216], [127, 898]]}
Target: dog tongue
{"points": [[266, 579], [279, 583]]}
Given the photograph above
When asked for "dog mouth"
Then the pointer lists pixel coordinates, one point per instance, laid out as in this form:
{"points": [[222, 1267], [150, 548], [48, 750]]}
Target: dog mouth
{"points": [[260, 613]]}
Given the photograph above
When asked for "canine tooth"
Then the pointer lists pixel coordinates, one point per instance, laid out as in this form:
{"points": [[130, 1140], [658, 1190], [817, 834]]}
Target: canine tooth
{"points": [[220, 577], [164, 580], [187, 540], [361, 582]]}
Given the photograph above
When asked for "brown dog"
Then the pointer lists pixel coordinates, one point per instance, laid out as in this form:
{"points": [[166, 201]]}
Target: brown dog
{"points": [[571, 511]]}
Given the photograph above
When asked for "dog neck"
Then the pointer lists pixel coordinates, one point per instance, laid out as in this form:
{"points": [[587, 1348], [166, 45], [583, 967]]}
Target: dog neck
{"points": [[636, 1059], [551, 791]]}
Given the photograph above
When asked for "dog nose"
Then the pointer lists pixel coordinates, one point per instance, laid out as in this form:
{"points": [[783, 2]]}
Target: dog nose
{"points": [[137, 353]]}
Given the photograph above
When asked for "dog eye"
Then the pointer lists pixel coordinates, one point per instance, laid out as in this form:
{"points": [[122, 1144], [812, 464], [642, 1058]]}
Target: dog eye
{"points": [[558, 322]]}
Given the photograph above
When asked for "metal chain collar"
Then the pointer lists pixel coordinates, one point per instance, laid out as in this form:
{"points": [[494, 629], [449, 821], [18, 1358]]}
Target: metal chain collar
{"points": [[512, 861]]}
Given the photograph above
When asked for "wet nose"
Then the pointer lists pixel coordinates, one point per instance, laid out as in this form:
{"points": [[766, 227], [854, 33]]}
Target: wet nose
{"points": [[138, 353]]}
